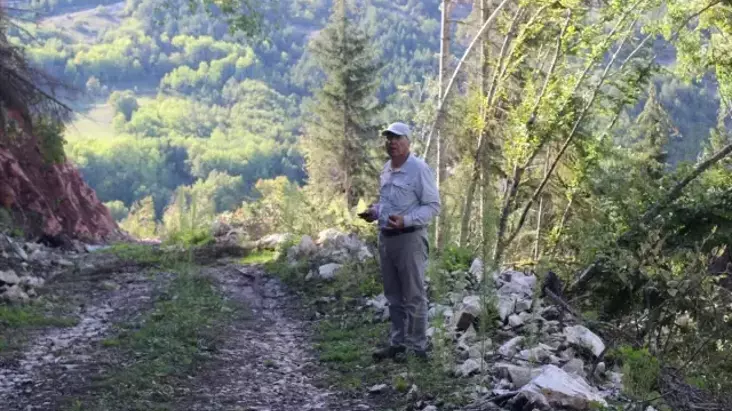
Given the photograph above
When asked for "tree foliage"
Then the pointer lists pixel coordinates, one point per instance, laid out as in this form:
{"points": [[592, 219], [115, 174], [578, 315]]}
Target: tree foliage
{"points": [[339, 130]]}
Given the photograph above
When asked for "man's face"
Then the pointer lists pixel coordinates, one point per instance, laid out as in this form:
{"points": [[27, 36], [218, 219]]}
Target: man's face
{"points": [[396, 146]]}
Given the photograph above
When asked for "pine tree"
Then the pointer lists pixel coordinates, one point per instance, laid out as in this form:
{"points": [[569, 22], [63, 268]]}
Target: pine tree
{"points": [[339, 130], [652, 132]]}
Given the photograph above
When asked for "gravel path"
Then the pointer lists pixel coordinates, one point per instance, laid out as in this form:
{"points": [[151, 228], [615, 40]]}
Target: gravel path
{"points": [[57, 361], [266, 363]]}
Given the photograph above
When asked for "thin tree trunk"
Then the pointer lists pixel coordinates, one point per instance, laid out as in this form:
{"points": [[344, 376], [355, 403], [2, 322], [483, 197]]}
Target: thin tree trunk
{"points": [[346, 146], [562, 223], [519, 170], [440, 160], [487, 94], [537, 240]]}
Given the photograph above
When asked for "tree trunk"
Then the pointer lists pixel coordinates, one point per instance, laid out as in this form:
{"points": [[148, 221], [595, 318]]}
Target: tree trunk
{"points": [[440, 159], [537, 240], [478, 169], [562, 223]]}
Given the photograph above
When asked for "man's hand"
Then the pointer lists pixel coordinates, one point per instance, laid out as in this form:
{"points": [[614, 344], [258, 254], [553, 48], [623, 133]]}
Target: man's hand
{"points": [[396, 221]]}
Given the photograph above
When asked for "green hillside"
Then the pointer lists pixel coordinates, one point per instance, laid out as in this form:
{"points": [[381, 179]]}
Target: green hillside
{"points": [[168, 96]]}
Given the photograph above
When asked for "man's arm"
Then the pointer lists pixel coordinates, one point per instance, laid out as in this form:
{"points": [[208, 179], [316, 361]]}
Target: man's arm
{"points": [[429, 198]]}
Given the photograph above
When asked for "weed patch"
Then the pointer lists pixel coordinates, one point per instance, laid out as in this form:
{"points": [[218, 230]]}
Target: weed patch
{"points": [[15, 320], [641, 371], [146, 255], [260, 257], [181, 331]]}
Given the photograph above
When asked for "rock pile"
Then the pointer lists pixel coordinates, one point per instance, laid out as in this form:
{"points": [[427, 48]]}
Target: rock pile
{"points": [[329, 252], [540, 363], [25, 267], [536, 362]]}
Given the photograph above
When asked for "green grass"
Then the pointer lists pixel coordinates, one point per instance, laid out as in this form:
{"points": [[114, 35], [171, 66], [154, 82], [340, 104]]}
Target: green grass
{"points": [[158, 351], [260, 257], [16, 320], [150, 256]]}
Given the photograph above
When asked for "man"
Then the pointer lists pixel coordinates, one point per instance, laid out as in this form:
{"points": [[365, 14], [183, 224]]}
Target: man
{"points": [[408, 200]]}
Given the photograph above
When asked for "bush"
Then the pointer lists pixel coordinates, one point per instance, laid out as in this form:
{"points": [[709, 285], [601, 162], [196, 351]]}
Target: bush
{"points": [[641, 372], [456, 259], [50, 134], [140, 222], [118, 209], [188, 220]]}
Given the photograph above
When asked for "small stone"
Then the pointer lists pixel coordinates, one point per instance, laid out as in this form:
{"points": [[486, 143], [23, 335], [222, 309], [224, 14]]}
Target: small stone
{"points": [[522, 305], [575, 366], [510, 347], [468, 368], [476, 269], [9, 277], [551, 313], [328, 271], [19, 251], [506, 306], [38, 255], [31, 281], [379, 388], [31, 247], [583, 337], [601, 368], [520, 376], [515, 321], [465, 320], [62, 262], [540, 353], [432, 408], [15, 295], [364, 254], [110, 285]]}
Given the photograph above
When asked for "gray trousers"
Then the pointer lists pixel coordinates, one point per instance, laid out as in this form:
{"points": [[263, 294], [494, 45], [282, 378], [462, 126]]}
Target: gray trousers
{"points": [[403, 264]]}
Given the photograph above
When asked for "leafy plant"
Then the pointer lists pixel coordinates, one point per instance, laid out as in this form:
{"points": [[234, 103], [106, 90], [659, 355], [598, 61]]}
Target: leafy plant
{"points": [[50, 134], [641, 372]]}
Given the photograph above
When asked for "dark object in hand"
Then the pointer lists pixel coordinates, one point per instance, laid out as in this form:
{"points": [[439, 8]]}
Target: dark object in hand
{"points": [[367, 215]]}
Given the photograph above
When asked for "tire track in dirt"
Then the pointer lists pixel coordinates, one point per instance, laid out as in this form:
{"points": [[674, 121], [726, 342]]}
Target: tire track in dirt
{"points": [[266, 362]]}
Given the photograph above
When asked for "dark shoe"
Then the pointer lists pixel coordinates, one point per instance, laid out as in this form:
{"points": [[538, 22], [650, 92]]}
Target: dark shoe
{"points": [[389, 352], [419, 355]]}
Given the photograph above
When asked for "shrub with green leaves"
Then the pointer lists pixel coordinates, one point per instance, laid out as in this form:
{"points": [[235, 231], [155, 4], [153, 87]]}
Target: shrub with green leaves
{"points": [[50, 134], [641, 372]]}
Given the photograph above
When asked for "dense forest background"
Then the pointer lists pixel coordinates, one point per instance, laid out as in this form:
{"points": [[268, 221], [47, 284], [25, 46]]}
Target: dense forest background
{"points": [[169, 99], [175, 99]]}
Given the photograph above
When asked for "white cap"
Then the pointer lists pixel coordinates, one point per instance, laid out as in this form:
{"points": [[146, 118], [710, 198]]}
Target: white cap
{"points": [[399, 129]]}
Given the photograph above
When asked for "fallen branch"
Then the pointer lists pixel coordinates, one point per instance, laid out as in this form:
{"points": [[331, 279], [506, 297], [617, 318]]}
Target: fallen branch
{"points": [[657, 209]]}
